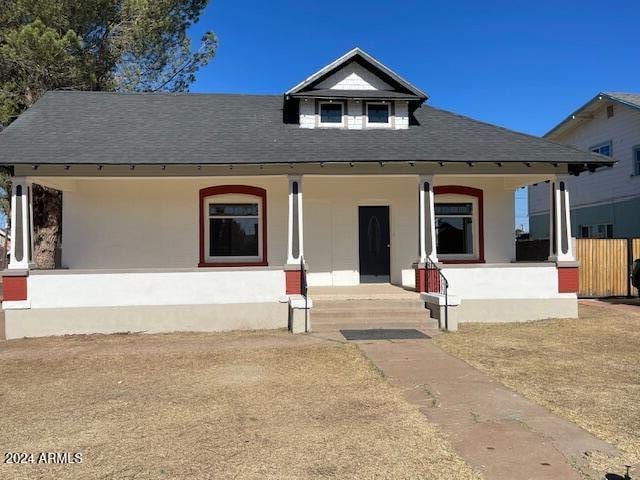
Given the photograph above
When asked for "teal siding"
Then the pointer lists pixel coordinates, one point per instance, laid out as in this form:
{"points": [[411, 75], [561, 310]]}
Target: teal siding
{"points": [[539, 226], [624, 216]]}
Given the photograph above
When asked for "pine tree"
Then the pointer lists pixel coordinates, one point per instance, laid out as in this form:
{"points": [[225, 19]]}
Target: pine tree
{"points": [[113, 45]]}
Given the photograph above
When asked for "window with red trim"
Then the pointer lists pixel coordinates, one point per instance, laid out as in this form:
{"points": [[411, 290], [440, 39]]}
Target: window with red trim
{"points": [[233, 226], [459, 224]]}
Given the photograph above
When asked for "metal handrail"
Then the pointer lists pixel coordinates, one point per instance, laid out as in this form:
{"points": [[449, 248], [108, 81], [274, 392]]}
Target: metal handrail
{"points": [[442, 287], [304, 290]]}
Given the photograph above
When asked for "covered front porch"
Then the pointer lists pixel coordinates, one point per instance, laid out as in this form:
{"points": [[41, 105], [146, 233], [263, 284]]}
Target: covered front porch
{"points": [[221, 252]]}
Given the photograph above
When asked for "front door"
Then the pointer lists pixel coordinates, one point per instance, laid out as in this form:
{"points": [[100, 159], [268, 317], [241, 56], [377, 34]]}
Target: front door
{"points": [[374, 244]]}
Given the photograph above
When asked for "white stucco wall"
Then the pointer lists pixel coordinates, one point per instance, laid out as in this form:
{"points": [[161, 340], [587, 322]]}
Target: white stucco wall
{"points": [[203, 287], [153, 223], [503, 281], [331, 223], [499, 214]]}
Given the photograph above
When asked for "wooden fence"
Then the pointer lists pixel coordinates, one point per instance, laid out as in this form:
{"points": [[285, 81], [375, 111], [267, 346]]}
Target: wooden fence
{"points": [[605, 265]]}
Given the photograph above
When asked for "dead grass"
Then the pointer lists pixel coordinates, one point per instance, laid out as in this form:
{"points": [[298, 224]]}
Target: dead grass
{"points": [[251, 405], [587, 370]]}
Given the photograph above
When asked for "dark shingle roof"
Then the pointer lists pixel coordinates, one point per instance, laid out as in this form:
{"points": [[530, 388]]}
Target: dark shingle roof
{"points": [[112, 128]]}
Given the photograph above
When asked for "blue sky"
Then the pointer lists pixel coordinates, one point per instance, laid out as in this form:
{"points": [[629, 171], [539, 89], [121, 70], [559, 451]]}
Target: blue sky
{"points": [[524, 65]]}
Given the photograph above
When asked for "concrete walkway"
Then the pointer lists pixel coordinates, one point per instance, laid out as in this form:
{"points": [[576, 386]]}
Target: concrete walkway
{"points": [[500, 434]]}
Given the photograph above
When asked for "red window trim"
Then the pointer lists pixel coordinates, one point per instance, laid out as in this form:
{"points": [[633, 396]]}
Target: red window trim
{"points": [[242, 190], [471, 192]]}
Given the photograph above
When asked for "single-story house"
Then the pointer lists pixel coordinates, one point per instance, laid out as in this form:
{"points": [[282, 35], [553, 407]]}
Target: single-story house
{"points": [[213, 212]]}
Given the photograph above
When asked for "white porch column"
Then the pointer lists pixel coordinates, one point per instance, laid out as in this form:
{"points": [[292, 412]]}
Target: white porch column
{"points": [[21, 215], [427, 220], [560, 239], [295, 269], [295, 241], [426, 232]]}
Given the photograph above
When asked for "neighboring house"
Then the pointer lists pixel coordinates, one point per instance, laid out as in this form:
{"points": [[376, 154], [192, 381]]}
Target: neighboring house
{"points": [[606, 203], [198, 212]]}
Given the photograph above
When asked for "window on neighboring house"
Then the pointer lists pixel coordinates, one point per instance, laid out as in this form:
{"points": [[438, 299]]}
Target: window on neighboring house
{"points": [[600, 230], [330, 113], [233, 226], [378, 113], [603, 149], [454, 229], [636, 160], [584, 231]]}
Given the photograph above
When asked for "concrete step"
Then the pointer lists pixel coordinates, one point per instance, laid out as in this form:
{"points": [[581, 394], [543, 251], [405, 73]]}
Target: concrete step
{"points": [[380, 315], [327, 326], [408, 304], [406, 311]]}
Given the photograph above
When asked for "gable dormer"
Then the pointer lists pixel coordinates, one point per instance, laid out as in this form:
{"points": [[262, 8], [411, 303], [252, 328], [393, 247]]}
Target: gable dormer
{"points": [[354, 92]]}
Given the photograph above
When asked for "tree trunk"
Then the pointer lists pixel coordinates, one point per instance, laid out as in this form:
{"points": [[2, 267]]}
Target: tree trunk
{"points": [[47, 226]]}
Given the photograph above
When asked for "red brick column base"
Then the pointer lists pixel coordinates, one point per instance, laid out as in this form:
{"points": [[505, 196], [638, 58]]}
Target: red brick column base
{"points": [[293, 279], [433, 281], [427, 280], [421, 278], [568, 279], [14, 288]]}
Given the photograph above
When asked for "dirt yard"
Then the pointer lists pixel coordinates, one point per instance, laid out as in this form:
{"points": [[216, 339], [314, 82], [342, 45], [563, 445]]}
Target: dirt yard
{"points": [[587, 370], [250, 405]]}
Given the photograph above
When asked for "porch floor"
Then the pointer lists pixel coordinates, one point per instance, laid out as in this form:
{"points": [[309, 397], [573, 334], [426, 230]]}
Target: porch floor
{"points": [[364, 291]]}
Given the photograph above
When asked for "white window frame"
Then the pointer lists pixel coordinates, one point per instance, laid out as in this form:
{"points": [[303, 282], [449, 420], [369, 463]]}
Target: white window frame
{"points": [[331, 124], [225, 199], [475, 218], [377, 124]]}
